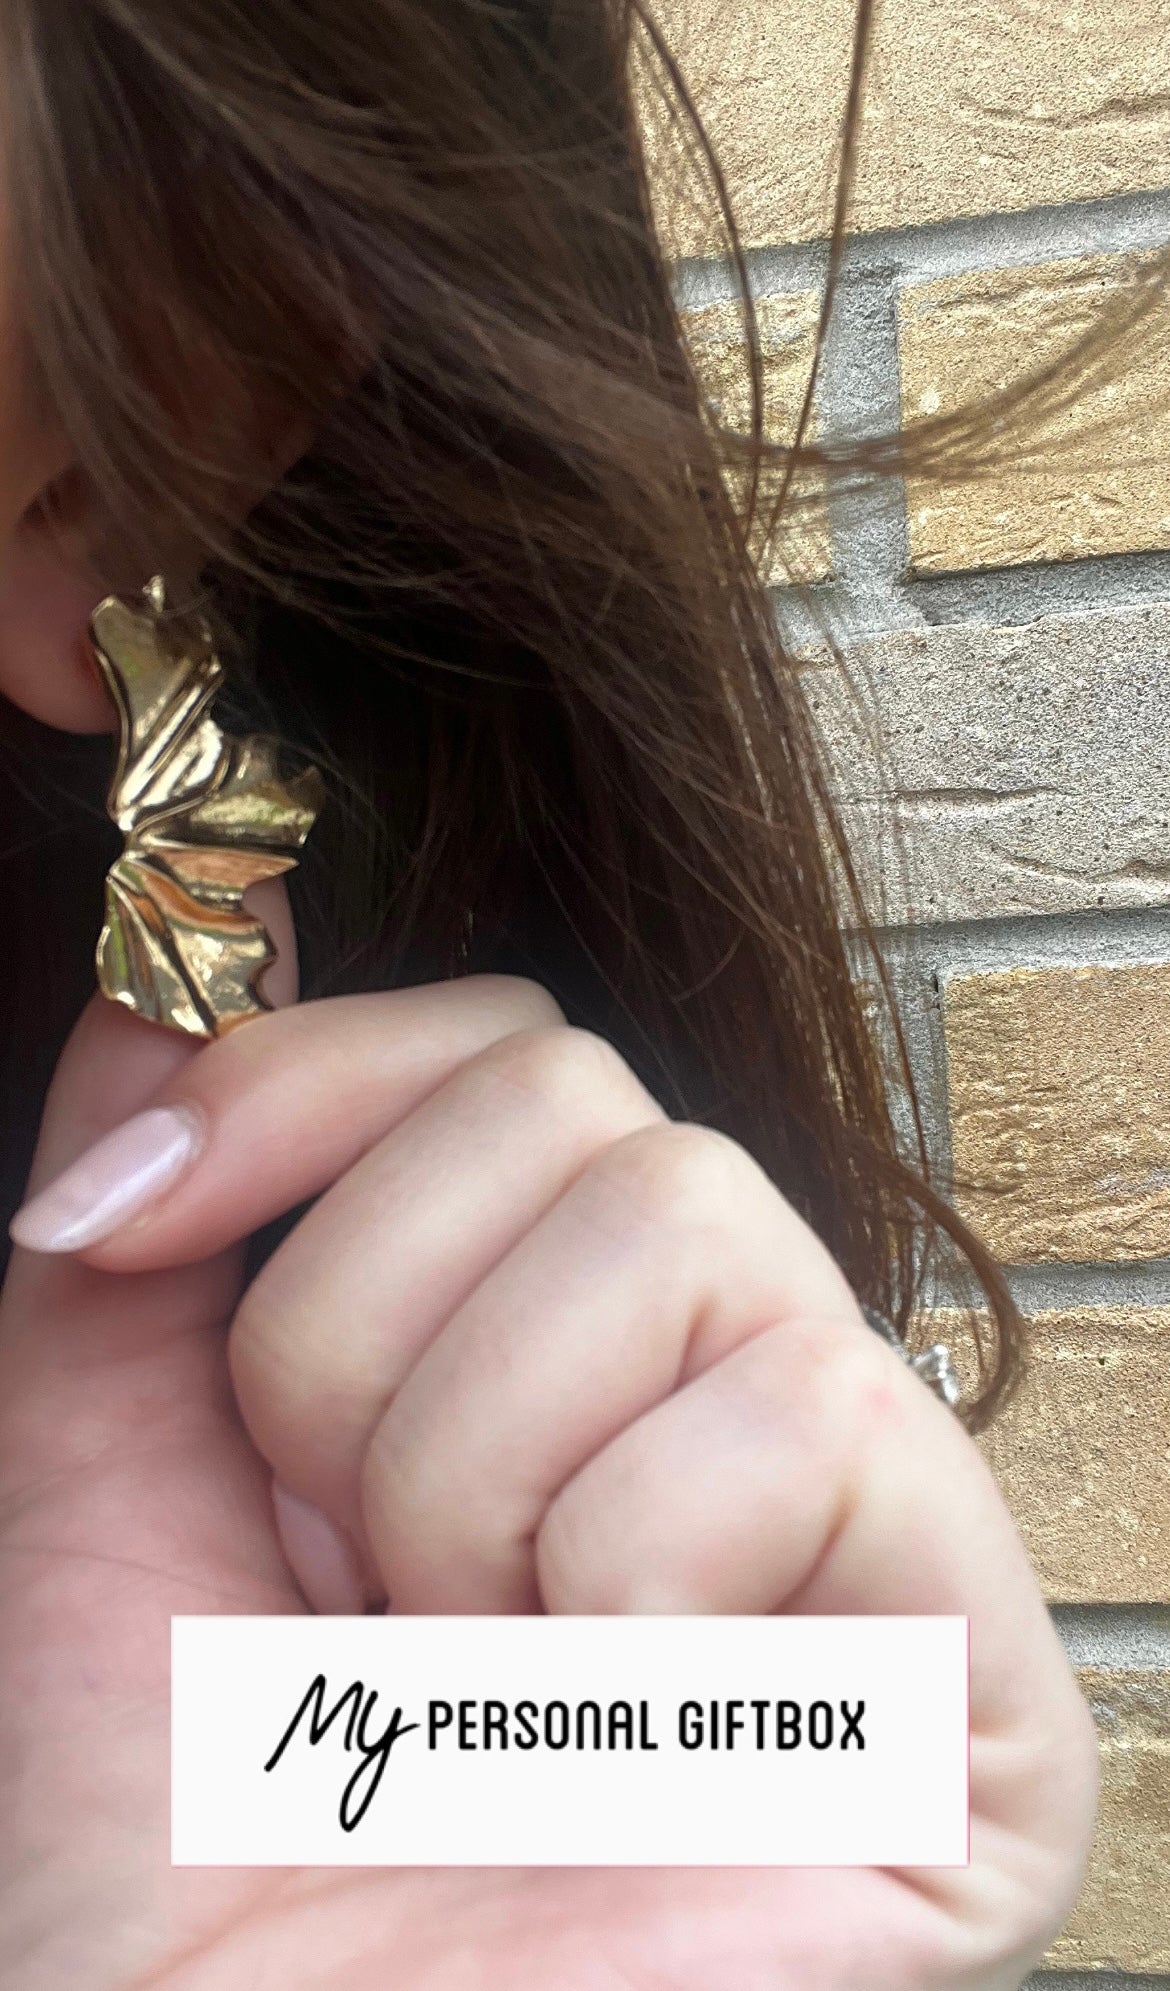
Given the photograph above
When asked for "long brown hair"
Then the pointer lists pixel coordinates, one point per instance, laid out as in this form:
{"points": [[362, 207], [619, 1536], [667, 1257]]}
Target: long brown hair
{"points": [[507, 599]]}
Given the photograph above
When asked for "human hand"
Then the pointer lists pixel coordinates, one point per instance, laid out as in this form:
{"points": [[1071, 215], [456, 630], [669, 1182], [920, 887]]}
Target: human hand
{"points": [[534, 1347]]}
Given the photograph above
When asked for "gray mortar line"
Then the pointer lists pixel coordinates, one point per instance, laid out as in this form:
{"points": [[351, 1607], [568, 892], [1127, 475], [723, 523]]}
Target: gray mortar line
{"points": [[1124, 1637], [859, 396], [885, 598], [1130, 936], [1093, 1980], [1075, 1286], [1017, 594], [1072, 1285], [923, 251]]}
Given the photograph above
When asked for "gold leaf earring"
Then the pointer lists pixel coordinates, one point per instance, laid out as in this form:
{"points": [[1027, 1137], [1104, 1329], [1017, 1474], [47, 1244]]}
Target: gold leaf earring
{"points": [[204, 817]]}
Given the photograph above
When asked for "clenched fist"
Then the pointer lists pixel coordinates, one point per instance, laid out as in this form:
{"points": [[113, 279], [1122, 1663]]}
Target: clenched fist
{"points": [[533, 1347]]}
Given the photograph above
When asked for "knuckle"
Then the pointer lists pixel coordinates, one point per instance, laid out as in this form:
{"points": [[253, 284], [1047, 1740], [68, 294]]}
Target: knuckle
{"points": [[602, 1549], [306, 1409], [254, 1345], [271, 1369], [841, 1369], [410, 1494], [575, 1572], [386, 1481], [285, 1380], [563, 1066], [677, 1172], [523, 1004], [267, 1379]]}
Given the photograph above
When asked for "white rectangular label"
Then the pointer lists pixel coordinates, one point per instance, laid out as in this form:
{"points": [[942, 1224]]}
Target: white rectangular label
{"points": [[561, 1741]]}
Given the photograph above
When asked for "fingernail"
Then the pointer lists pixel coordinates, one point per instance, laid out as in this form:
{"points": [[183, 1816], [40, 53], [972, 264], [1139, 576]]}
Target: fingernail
{"points": [[318, 1555], [110, 1182]]}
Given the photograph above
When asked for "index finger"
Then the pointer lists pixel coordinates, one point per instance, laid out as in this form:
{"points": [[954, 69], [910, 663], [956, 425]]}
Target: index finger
{"points": [[286, 1104]]}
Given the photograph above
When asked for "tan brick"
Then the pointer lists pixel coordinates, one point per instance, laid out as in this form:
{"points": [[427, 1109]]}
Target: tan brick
{"points": [[972, 109], [787, 335], [1060, 1110], [1082, 1453], [1100, 481], [1122, 1920]]}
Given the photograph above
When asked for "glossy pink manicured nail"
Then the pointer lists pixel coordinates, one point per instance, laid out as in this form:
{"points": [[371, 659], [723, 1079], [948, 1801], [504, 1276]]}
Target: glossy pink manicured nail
{"points": [[318, 1555], [110, 1182]]}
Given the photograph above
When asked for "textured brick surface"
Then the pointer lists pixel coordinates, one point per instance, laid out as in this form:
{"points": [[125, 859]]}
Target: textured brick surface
{"points": [[985, 772], [971, 109], [1000, 771], [787, 334], [1082, 1453], [1101, 483], [1122, 1920], [1060, 1110]]}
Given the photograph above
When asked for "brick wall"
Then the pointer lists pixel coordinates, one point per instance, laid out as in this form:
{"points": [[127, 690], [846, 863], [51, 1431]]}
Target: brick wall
{"points": [[1012, 640]]}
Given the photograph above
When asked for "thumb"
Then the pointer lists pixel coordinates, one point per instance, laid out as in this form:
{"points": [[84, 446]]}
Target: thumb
{"points": [[118, 1432], [128, 1492], [114, 1062]]}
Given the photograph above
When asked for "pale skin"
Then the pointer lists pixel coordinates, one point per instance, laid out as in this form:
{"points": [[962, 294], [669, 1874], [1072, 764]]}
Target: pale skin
{"points": [[534, 1348]]}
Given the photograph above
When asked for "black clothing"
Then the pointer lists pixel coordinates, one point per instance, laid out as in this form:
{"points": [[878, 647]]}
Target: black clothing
{"points": [[56, 844]]}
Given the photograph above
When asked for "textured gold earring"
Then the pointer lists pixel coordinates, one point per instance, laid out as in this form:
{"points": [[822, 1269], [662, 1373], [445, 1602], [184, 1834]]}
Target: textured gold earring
{"points": [[204, 817]]}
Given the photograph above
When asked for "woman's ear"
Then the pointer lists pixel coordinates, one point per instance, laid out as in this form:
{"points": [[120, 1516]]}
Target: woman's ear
{"points": [[51, 578], [46, 600], [50, 586]]}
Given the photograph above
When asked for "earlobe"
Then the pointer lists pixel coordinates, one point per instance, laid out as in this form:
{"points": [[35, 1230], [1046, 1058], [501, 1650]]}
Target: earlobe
{"points": [[46, 665]]}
